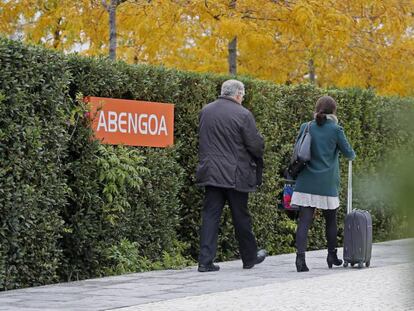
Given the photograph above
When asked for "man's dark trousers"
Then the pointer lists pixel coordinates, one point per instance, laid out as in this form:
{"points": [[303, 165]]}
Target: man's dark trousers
{"points": [[214, 201]]}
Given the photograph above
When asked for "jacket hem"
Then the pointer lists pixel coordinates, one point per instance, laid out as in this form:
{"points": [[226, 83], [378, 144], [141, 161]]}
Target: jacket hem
{"points": [[208, 184]]}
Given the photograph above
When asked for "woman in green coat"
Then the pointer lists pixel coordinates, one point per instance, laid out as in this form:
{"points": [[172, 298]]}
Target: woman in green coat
{"points": [[317, 185]]}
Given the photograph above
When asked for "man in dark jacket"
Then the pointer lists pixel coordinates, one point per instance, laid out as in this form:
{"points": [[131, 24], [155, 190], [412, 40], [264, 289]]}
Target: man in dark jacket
{"points": [[230, 149]]}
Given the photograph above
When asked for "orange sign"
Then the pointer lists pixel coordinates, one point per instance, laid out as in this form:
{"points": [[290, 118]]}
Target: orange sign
{"points": [[132, 122]]}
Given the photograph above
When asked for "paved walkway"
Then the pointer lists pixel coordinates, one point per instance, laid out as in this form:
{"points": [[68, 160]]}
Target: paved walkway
{"points": [[273, 285]]}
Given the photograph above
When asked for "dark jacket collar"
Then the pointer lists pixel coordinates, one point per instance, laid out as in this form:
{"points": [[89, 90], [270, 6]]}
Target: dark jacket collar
{"points": [[229, 98]]}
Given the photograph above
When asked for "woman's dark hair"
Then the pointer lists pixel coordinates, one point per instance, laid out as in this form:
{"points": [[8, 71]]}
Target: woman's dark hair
{"points": [[324, 105]]}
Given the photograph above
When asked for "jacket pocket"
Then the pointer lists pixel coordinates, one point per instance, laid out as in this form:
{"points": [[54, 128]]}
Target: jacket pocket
{"points": [[252, 180], [246, 175], [216, 171], [201, 172]]}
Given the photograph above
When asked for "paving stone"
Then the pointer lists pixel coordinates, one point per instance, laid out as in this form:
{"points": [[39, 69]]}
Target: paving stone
{"points": [[272, 285], [382, 289]]}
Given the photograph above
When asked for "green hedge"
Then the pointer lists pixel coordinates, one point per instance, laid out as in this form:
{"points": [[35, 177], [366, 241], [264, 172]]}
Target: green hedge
{"points": [[69, 205], [72, 209], [34, 138]]}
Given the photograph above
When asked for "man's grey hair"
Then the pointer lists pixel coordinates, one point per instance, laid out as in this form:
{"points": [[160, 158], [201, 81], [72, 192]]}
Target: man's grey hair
{"points": [[232, 88]]}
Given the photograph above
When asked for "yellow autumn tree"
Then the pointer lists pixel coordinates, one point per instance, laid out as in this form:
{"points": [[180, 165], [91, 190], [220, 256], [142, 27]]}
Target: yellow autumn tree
{"points": [[365, 43]]}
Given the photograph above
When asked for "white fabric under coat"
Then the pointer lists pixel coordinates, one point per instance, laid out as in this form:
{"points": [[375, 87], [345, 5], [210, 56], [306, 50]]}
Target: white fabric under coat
{"points": [[314, 200]]}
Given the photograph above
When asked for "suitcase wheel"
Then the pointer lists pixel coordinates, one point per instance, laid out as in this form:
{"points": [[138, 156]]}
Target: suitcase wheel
{"points": [[360, 265], [345, 264], [352, 264], [367, 264]]}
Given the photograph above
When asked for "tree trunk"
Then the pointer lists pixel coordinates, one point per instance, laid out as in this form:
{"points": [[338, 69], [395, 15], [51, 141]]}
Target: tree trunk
{"points": [[112, 29], [312, 75], [111, 9], [233, 56], [57, 34], [232, 47]]}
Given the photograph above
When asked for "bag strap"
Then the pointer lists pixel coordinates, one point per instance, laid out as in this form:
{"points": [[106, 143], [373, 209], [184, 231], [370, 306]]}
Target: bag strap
{"points": [[307, 127]]}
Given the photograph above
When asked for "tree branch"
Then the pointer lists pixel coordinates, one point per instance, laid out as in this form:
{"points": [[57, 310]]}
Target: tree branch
{"points": [[263, 18], [105, 5]]}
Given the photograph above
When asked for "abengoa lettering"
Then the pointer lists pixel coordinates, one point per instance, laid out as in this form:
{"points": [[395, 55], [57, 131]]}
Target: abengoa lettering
{"points": [[132, 122], [124, 122]]}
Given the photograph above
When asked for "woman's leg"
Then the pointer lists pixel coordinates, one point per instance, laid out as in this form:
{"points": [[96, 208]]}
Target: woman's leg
{"points": [[331, 229], [305, 220]]}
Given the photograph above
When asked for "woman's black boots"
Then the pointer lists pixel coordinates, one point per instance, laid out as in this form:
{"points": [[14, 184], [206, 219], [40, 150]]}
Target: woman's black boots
{"points": [[301, 263], [333, 259]]}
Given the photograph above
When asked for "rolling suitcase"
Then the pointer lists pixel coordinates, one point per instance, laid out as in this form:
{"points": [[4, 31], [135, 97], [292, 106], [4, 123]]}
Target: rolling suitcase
{"points": [[357, 232]]}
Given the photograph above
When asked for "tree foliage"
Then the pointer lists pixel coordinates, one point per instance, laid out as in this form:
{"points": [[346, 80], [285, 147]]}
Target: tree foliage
{"points": [[361, 43]]}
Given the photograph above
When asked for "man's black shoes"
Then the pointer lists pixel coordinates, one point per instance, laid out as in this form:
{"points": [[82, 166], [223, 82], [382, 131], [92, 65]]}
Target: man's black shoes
{"points": [[261, 255], [208, 268]]}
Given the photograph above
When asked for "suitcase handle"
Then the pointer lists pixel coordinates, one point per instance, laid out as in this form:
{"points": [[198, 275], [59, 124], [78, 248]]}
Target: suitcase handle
{"points": [[349, 202]]}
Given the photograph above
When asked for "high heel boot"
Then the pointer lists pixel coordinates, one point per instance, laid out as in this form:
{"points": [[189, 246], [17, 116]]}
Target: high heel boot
{"points": [[301, 263], [333, 259]]}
